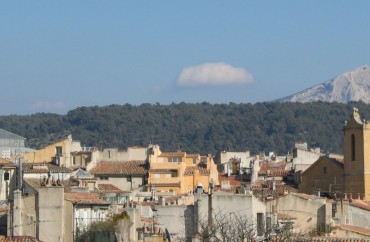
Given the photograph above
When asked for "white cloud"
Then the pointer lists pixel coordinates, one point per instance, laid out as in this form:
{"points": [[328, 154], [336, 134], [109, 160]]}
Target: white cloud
{"points": [[213, 74], [48, 106]]}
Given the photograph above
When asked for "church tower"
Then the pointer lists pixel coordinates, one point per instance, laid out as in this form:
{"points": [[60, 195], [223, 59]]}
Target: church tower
{"points": [[356, 150]]}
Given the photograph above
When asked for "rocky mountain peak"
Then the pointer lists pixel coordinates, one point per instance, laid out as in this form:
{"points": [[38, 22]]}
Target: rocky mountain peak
{"points": [[349, 86]]}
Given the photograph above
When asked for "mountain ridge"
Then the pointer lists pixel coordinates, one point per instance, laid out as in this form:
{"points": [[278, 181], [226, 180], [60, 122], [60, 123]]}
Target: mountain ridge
{"points": [[349, 86]]}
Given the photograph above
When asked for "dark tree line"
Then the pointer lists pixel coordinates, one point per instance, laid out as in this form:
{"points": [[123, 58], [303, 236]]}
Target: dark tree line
{"points": [[202, 127]]}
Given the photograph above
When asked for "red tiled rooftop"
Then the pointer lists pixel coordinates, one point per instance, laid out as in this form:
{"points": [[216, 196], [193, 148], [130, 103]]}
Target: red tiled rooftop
{"points": [[166, 184], [360, 230], [273, 169], [43, 167], [18, 239], [172, 154], [84, 198], [121, 168], [189, 171], [231, 179], [108, 188], [5, 161]]}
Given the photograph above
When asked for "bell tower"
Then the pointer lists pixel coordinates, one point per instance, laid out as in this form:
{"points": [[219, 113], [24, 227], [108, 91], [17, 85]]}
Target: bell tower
{"points": [[356, 150]]}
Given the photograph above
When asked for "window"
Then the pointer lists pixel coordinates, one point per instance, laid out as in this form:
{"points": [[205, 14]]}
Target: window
{"points": [[167, 176], [174, 159], [103, 177], [58, 150], [324, 169], [157, 175], [353, 147], [194, 161]]}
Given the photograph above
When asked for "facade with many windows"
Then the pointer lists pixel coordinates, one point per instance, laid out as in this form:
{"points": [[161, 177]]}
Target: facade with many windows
{"points": [[179, 172]]}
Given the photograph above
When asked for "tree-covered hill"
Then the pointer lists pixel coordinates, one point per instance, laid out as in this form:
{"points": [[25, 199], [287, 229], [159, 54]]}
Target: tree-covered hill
{"points": [[203, 127]]}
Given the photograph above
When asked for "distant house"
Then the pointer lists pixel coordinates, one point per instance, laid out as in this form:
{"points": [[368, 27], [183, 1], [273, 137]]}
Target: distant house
{"points": [[324, 176], [43, 170], [84, 179], [82, 209], [49, 211], [303, 157], [11, 144], [232, 163], [113, 194], [8, 181], [180, 173], [127, 175], [68, 153]]}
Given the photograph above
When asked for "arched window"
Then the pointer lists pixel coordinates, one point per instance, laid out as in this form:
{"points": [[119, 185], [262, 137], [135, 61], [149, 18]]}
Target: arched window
{"points": [[353, 147]]}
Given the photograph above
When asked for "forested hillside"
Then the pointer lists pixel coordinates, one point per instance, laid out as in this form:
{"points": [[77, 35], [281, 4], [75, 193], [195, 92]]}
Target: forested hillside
{"points": [[203, 127]]}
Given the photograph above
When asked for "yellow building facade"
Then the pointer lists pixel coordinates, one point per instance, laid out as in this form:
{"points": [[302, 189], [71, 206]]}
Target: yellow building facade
{"points": [[59, 153], [179, 172]]}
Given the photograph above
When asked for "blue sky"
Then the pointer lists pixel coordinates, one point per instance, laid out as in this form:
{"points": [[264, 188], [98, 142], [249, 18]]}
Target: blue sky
{"points": [[59, 55]]}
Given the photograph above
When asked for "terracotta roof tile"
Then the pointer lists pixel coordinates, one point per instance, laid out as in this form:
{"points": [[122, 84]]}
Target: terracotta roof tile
{"points": [[18, 239], [166, 184], [5, 162], [361, 204], [259, 191], [108, 188], [189, 171], [233, 181], [43, 167], [172, 154], [36, 184], [273, 169], [84, 198], [120, 167], [361, 230]]}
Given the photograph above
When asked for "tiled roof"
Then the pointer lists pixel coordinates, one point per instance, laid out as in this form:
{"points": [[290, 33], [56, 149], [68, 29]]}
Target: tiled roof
{"points": [[259, 191], [109, 188], [330, 239], [360, 230], [36, 184], [192, 155], [43, 167], [336, 162], [120, 168], [189, 171], [84, 198], [360, 204], [18, 239], [231, 179], [172, 154], [5, 162], [273, 169], [166, 184]]}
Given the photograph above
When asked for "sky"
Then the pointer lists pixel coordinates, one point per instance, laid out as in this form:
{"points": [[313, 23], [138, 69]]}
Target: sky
{"points": [[56, 56]]}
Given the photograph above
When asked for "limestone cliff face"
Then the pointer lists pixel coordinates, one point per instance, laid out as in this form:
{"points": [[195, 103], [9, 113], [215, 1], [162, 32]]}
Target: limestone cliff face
{"points": [[349, 86]]}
